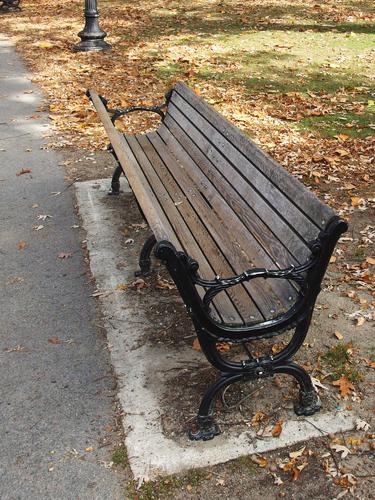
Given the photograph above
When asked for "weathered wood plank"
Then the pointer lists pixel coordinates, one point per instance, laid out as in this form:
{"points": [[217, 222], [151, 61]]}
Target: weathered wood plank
{"points": [[156, 218], [295, 190], [216, 167], [238, 246], [215, 185], [215, 146], [171, 206], [201, 239]]}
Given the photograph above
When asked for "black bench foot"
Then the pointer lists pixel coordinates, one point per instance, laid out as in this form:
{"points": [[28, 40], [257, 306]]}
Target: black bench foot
{"points": [[144, 258], [205, 428], [308, 404], [115, 183]]}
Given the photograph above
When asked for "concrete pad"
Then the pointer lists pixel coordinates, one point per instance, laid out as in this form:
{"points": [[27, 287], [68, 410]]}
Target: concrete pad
{"points": [[139, 366]]}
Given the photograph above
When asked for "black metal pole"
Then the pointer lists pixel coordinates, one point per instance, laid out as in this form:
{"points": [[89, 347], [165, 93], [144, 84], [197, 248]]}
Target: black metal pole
{"points": [[92, 37]]}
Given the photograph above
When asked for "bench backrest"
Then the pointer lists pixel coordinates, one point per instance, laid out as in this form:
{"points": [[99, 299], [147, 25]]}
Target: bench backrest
{"points": [[281, 215]]}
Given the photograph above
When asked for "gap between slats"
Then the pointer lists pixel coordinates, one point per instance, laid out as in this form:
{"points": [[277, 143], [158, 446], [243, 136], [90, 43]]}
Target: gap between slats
{"points": [[291, 187], [261, 291]]}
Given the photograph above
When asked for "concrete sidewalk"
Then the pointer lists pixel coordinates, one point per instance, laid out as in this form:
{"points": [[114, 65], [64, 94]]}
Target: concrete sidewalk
{"points": [[57, 389]]}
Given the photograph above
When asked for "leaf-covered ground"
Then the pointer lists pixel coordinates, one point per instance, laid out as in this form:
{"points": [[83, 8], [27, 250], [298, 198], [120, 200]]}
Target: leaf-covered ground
{"points": [[299, 78]]}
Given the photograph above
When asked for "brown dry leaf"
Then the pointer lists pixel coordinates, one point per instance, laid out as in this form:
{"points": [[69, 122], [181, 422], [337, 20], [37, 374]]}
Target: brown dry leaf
{"points": [[165, 285], [196, 345], [223, 346], [338, 335], [261, 461], [122, 286], [64, 255], [342, 137], [259, 416], [23, 171], [276, 431], [18, 348], [360, 321], [355, 201], [332, 259], [54, 340], [139, 283], [344, 385], [298, 453], [22, 245], [370, 260]]}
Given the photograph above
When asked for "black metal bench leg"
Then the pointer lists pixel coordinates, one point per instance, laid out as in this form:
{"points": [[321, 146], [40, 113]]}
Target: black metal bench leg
{"points": [[144, 258], [205, 426], [309, 401], [115, 183]]}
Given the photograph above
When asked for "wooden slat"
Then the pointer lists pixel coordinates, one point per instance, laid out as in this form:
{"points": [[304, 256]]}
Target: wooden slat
{"points": [[238, 246], [295, 190], [156, 218], [200, 239], [225, 307], [215, 146], [221, 193], [216, 167]]}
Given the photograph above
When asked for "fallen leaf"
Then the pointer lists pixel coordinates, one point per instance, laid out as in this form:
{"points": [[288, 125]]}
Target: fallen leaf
{"points": [[89, 449], [165, 285], [362, 425], [261, 461], [44, 45], [338, 335], [23, 171], [196, 345], [355, 201], [370, 260], [18, 348], [360, 321], [139, 283], [276, 431], [223, 346], [344, 385], [54, 340], [339, 448], [22, 245], [122, 286], [259, 416], [65, 255], [298, 453]]}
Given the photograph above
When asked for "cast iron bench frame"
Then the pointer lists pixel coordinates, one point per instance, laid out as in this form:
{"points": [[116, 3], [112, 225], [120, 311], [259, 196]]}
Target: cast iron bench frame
{"points": [[184, 270]]}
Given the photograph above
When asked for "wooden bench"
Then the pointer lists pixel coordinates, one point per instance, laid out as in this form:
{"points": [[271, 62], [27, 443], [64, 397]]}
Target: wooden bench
{"points": [[246, 244]]}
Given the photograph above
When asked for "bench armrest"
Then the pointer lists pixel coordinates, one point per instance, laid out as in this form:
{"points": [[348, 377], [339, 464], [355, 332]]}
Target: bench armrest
{"points": [[294, 273], [118, 112]]}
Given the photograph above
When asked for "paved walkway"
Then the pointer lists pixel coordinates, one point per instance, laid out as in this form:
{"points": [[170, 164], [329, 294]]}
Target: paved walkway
{"points": [[56, 385]]}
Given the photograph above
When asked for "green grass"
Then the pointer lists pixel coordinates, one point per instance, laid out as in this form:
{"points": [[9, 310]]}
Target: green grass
{"points": [[272, 49], [339, 359], [163, 488], [119, 457], [331, 125]]}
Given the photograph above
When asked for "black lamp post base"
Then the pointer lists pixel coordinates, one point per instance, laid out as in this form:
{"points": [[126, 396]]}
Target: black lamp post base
{"points": [[92, 37], [91, 45]]}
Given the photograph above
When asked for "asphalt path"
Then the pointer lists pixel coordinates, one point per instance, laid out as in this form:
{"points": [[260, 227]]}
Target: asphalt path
{"points": [[56, 385]]}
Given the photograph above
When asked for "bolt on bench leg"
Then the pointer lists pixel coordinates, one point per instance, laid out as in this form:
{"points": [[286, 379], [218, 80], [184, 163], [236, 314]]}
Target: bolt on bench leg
{"points": [[115, 183], [144, 258]]}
